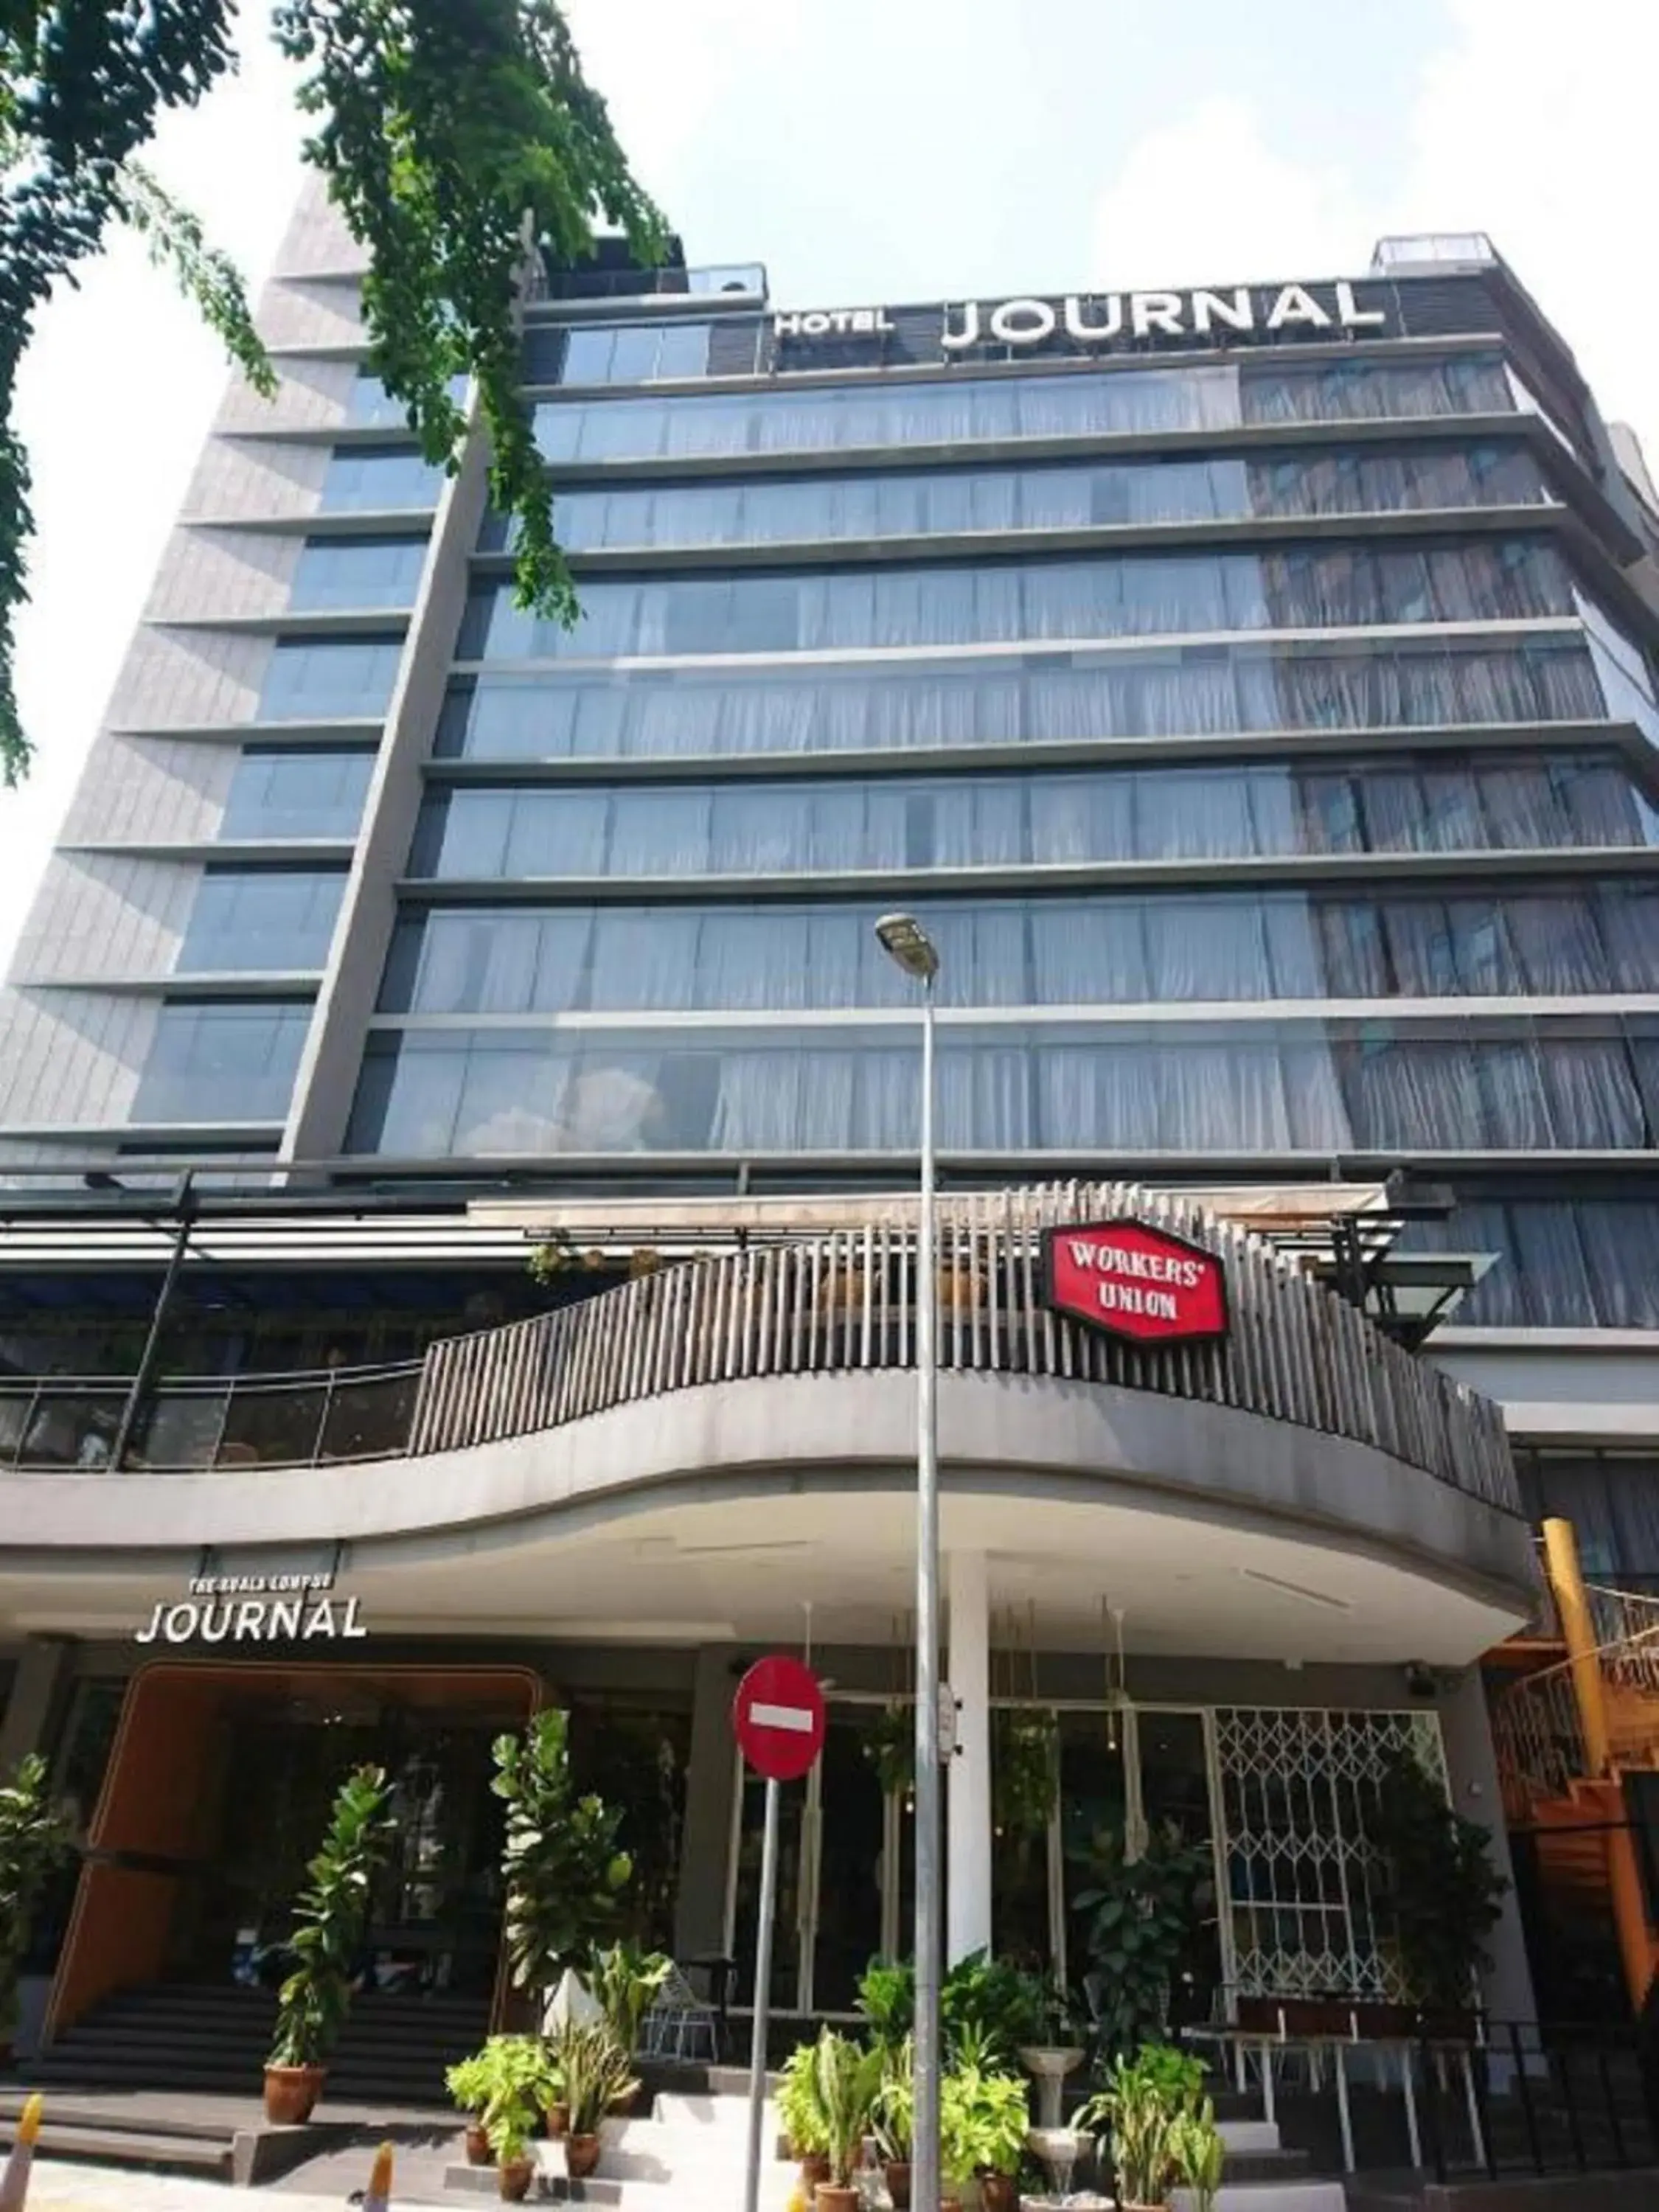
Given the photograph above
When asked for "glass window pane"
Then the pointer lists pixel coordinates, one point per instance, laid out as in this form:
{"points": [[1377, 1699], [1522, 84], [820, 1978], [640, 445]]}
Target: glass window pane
{"points": [[309, 792]]}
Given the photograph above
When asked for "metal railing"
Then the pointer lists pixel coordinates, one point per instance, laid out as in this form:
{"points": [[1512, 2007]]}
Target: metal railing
{"points": [[1484, 2100], [846, 1303], [1537, 1732], [67, 1424]]}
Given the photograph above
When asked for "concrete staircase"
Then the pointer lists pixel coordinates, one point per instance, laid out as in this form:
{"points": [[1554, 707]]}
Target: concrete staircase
{"points": [[185, 2037]]}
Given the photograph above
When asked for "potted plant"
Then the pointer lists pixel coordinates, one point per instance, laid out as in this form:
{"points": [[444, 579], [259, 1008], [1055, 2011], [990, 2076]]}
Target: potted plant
{"points": [[993, 2121], [801, 2118], [892, 2115], [596, 2078], [329, 1922], [564, 1875], [1438, 1887], [504, 2087], [887, 1999], [1162, 2128], [889, 1746], [467, 2082], [34, 1842], [626, 1981], [509, 2131], [1139, 1914], [1024, 1770], [845, 2081]]}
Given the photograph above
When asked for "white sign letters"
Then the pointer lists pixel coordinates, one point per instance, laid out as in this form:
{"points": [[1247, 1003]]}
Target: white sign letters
{"points": [[255, 1609]]}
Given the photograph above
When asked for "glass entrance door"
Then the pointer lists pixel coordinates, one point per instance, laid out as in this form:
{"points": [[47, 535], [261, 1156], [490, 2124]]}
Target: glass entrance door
{"points": [[842, 1861]]}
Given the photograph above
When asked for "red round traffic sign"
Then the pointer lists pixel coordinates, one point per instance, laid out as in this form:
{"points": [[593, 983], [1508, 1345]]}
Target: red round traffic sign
{"points": [[778, 1715]]}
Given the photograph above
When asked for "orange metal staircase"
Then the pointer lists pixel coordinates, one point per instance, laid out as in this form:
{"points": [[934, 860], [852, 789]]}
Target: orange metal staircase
{"points": [[1567, 1734]]}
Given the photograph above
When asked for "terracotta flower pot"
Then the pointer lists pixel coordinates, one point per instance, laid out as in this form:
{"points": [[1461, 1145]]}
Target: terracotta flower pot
{"points": [[558, 2121], [291, 2093], [479, 2152], [514, 2178], [896, 2173], [999, 2192], [814, 2169], [581, 2155], [829, 2197]]}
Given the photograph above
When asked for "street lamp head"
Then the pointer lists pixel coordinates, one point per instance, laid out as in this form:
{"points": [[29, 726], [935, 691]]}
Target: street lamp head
{"points": [[905, 941]]}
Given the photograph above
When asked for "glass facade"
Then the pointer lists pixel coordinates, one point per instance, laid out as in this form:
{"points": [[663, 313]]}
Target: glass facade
{"points": [[1016, 699], [1110, 948], [221, 1063], [310, 791], [900, 504], [356, 573], [1132, 793], [254, 919], [1423, 803], [328, 679], [1164, 1088], [873, 412], [1135, 595]]}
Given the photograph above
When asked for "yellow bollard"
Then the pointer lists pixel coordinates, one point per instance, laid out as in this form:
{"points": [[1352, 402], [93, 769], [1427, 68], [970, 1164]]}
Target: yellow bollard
{"points": [[14, 2181], [377, 2198]]}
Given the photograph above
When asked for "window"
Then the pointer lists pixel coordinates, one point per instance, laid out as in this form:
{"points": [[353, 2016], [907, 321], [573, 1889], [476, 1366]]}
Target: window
{"points": [[634, 353], [1257, 1088], [1072, 816], [221, 1063], [963, 410], [1582, 1262], [261, 917], [328, 679], [374, 479], [311, 791], [372, 407], [1165, 692], [894, 503], [357, 572], [1107, 949], [1121, 595]]}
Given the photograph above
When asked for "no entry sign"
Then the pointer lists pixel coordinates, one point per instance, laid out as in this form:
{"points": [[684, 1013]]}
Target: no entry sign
{"points": [[778, 1716]]}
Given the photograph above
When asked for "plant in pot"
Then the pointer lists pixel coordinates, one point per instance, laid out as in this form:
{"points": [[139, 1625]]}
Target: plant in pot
{"points": [[1140, 1917], [564, 1875], [1162, 2127], [468, 2083], [993, 2120], [329, 1917], [887, 1999], [626, 1981], [504, 2087], [892, 2115], [890, 1746], [1438, 1886], [845, 2079], [34, 1842], [801, 2119], [597, 2077]]}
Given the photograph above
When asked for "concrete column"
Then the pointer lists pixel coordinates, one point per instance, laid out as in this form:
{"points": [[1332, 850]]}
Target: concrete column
{"points": [[968, 1824], [42, 1673], [1472, 1771], [705, 1841]]}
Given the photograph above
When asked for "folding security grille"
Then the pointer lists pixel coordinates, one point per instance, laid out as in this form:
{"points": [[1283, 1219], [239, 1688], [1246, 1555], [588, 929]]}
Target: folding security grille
{"points": [[1298, 1792]]}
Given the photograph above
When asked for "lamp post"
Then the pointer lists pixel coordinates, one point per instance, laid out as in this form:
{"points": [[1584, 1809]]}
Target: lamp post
{"points": [[907, 943]]}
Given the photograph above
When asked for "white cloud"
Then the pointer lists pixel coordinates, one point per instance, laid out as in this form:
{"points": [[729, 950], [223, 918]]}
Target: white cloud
{"points": [[1206, 200]]}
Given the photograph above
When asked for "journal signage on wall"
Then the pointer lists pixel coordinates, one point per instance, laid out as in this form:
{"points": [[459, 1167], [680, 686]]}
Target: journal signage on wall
{"points": [[1135, 1281], [278, 1609], [1115, 321]]}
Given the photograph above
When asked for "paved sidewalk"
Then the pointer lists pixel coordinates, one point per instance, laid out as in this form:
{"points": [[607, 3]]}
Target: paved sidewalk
{"points": [[58, 2186]]}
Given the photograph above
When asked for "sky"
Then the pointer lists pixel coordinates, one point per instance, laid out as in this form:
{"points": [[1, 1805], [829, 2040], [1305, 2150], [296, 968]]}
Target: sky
{"points": [[876, 151]]}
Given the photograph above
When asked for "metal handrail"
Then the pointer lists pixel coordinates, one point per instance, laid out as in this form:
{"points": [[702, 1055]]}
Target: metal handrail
{"points": [[845, 1303]]}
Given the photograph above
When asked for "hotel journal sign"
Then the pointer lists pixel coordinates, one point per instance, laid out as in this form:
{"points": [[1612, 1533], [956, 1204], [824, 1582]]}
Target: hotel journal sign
{"points": [[255, 1609], [1113, 321], [1136, 1281]]}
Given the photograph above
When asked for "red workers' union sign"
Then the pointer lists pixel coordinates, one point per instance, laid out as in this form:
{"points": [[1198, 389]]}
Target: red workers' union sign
{"points": [[1138, 1282], [778, 1715]]}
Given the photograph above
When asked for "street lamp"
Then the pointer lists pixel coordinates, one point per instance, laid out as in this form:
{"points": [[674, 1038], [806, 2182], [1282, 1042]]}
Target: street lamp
{"points": [[907, 943]]}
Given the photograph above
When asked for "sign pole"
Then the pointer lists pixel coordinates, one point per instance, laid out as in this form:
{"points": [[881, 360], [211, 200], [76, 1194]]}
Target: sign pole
{"points": [[768, 1898]]}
